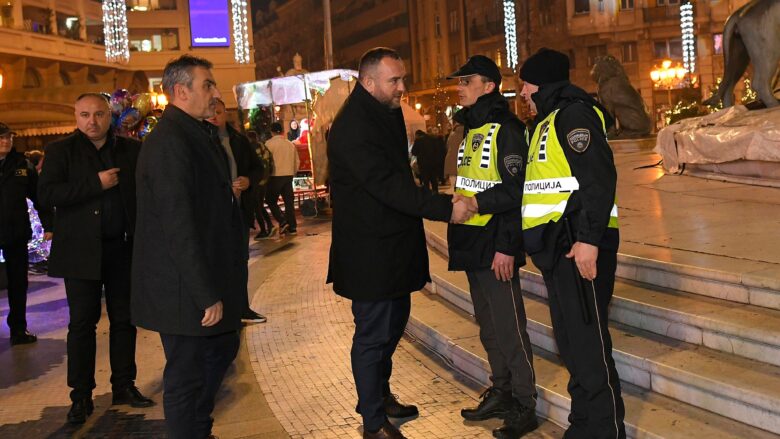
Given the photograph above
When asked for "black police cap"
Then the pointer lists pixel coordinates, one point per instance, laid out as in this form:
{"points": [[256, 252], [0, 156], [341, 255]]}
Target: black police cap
{"points": [[479, 65]]}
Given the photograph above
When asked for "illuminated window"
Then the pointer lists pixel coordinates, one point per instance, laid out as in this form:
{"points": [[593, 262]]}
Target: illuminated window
{"points": [[717, 43], [626, 4]]}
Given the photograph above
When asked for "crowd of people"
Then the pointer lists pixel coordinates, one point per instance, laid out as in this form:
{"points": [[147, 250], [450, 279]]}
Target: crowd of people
{"points": [[161, 230]]}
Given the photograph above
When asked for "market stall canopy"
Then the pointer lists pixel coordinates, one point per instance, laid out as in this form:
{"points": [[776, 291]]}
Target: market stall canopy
{"points": [[288, 89]]}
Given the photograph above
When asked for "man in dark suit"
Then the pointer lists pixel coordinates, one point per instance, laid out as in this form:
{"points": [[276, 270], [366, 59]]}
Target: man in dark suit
{"points": [[378, 254], [190, 271], [88, 178]]}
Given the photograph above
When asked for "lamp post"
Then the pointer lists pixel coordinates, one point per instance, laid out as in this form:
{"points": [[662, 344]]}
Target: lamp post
{"points": [[668, 77]]}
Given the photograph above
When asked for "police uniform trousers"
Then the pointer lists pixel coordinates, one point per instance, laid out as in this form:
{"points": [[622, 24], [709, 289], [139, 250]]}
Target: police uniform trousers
{"points": [[16, 260], [85, 308], [500, 313], [597, 409], [379, 326]]}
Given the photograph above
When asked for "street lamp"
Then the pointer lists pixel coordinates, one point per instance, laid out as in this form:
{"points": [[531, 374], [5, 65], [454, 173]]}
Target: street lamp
{"points": [[417, 106], [668, 77]]}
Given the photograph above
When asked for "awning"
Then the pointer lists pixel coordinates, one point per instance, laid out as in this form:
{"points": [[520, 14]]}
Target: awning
{"points": [[45, 131]]}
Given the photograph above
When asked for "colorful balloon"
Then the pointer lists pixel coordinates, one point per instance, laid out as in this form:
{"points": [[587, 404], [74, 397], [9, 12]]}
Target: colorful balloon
{"points": [[120, 101], [143, 103], [147, 126]]}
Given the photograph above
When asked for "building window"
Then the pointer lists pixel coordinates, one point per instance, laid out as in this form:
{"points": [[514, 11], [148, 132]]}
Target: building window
{"points": [[454, 21], [545, 12], [626, 4], [671, 49], [572, 60], [594, 52], [437, 26], [629, 52], [581, 6], [717, 43]]}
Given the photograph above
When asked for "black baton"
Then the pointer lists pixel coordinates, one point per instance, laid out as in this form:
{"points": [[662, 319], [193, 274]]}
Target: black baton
{"points": [[577, 276]]}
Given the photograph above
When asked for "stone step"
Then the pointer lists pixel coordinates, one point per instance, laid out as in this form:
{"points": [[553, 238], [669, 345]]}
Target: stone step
{"points": [[452, 335], [736, 280]]}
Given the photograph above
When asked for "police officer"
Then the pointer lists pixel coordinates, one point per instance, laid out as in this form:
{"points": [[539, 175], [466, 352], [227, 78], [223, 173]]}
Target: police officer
{"points": [[570, 230], [488, 247], [18, 181]]}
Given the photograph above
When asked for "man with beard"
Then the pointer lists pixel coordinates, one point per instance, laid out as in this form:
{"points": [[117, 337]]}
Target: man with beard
{"points": [[378, 254]]}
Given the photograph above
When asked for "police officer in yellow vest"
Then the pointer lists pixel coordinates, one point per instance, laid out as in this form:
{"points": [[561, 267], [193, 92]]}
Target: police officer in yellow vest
{"points": [[488, 247], [570, 230]]}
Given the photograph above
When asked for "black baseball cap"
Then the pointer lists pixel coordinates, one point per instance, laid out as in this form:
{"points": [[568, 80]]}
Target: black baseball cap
{"points": [[5, 129], [479, 65]]}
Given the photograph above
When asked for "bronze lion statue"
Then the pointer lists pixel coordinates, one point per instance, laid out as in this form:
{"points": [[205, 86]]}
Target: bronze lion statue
{"points": [[621, 99]]}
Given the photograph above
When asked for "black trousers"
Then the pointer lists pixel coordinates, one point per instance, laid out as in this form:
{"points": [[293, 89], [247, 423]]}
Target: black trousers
{"points": [[194, 369], [430, 179], [263, 219], [281, 186], [16, 260], [84, 306], [499, 311], [597, 409], [379, 326]]}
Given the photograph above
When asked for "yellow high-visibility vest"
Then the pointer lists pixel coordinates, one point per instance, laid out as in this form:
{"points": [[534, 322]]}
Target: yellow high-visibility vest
{"points": [[549, 182], [478, 165]]}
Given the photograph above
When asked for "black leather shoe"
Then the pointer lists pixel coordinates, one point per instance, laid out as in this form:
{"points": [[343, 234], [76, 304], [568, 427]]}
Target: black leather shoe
{"points": [[80, 410], [518, 422], [387, 431], [396, 409], [495, 403], [132, 396], [25, 337]]}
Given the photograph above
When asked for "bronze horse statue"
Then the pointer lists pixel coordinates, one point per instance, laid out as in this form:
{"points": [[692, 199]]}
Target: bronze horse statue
{"points": [[752, 33]]}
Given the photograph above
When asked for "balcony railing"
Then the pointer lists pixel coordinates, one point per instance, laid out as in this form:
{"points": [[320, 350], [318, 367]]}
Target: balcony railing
{"points": [[661, 14]]}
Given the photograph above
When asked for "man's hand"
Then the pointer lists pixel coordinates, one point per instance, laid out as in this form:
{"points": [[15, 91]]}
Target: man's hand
{"points": [[109, 178], [503, 266], [212, 315], [585, 256], [241, 183], [471, 202], [461, 212]]}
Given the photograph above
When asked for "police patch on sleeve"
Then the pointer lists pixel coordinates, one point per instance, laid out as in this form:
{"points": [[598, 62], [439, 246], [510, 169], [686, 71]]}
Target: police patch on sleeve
{"points": [[513, 163], [579, 139]]}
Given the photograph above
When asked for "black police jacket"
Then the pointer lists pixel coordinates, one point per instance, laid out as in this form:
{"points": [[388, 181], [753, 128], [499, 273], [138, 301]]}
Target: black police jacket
{"points": [[472, 247], [18, 181]]}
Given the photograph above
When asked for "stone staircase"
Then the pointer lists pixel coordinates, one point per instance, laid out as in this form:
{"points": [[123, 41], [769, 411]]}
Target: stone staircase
{"points": [[697, 356]]}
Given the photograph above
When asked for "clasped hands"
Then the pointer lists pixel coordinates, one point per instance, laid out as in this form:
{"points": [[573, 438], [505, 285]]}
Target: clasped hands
{"points": [[463, 208]]}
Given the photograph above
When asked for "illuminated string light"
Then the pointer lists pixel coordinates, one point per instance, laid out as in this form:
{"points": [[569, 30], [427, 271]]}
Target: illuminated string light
{"points": [[240, 31], [510, 33], [115, 31], [688, 43]]}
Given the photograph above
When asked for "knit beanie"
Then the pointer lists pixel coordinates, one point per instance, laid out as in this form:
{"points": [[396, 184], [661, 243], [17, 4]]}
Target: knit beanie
{"points": [[545, 67]]}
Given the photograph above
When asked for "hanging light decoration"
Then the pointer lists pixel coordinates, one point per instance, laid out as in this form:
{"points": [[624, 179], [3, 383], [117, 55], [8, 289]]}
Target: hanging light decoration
{"points": [[115, 31], [510, 33], [688, 43], [240, 31]]}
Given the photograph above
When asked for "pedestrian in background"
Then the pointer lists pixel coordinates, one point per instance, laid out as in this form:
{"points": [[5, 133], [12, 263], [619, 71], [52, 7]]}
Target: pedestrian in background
{"points": [[286, 165], [190, 275], [424, 148], [88, 179], [378, 254], [267, 228], [18, 181]]}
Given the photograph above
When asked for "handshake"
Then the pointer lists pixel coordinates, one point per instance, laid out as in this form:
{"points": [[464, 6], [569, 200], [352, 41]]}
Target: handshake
{"points": [[463, 208]]}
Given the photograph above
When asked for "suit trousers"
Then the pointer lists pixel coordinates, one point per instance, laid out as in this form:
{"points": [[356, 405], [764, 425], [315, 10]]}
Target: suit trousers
{"points": [[263, 219], [16, 260], [85, 306], [379, 326], [500, 314], [281, 186], [597, 409], [194, 369]]}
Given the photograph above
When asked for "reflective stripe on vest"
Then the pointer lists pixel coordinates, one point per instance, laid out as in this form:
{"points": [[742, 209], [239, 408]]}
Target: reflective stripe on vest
{"points": [[478, 166], [549, 182]]}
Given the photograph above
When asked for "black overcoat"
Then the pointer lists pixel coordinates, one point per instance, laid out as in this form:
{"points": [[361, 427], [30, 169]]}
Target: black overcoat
{"points": [[70, 185], [378, 247], [191, 244], [18, 181], [248, 165]]}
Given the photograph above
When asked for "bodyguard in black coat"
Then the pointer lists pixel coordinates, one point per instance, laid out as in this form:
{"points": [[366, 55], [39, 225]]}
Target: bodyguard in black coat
{"points": [[190, 271], [378, 254], [88, 179]]}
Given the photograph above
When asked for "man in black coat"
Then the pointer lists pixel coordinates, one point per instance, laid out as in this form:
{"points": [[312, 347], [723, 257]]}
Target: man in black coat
{"points": [[18, 181], [88, 179], [245, 171], [378, 254], [190, 270]]}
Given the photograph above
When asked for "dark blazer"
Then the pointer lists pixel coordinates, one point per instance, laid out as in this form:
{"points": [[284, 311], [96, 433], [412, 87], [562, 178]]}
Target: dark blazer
{"points": [[191, 246], [18, 181], [70, 185], [248, 165], [378, 247]]}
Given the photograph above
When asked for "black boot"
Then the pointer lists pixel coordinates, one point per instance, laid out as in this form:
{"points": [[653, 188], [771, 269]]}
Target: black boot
{"points": [[519, 421], [131, 396], [396, 409], [496, 403], [80, 410]]}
